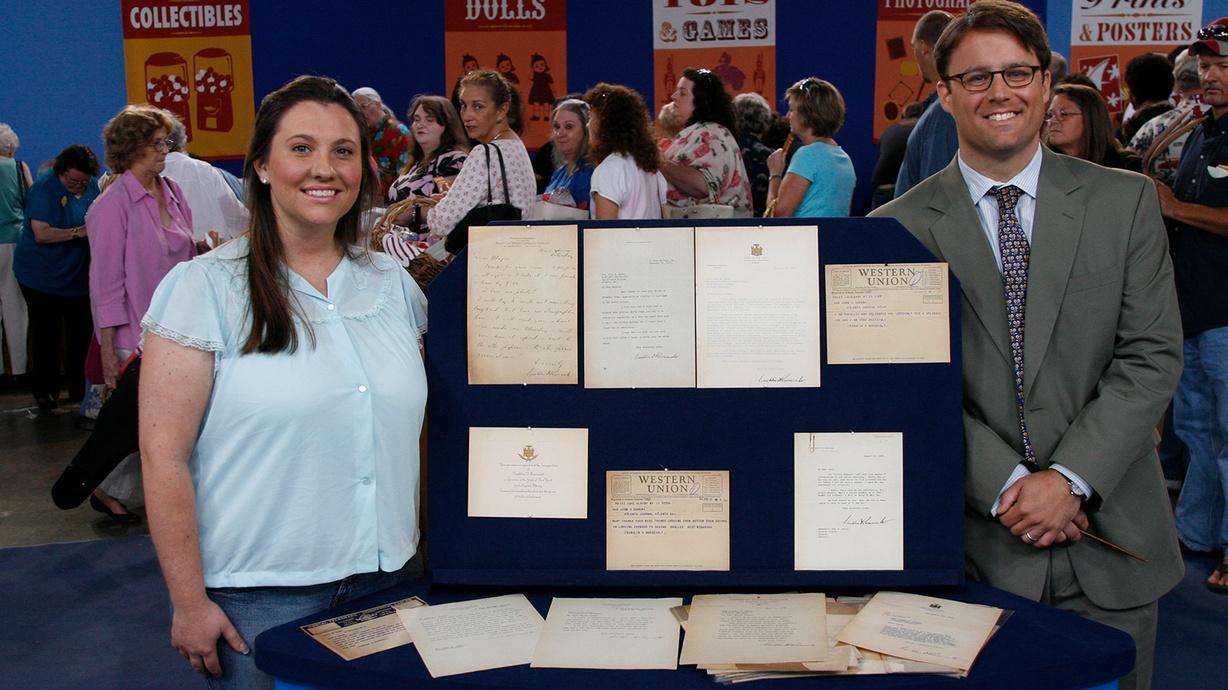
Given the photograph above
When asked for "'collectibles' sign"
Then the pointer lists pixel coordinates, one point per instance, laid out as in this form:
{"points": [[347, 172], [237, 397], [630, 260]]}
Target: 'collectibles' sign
{"points": [[736, 39], [195, 60], [1106, 34], [524, 40]]}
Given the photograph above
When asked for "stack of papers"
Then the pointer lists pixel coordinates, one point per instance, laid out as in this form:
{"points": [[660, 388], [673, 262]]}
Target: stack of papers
{"points": [[733, 637], [891, 632], [467, 636]]}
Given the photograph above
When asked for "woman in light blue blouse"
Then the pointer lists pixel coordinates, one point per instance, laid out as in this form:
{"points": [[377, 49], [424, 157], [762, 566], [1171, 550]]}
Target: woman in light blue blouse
{"points": [[281, 398], [820, 179]]}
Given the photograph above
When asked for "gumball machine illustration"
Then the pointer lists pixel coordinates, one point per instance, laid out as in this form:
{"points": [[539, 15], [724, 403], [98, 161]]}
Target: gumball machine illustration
{"points": [[214, 76], [166, 86]]}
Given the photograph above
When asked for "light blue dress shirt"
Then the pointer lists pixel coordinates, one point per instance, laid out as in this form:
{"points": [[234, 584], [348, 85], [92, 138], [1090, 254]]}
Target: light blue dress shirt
{"points": [[986, 205], [306, 467]]}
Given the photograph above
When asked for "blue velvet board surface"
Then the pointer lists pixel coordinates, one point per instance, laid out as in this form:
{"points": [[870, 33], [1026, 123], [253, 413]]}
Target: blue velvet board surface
{"points": [[746, 431], [1037, 647]]}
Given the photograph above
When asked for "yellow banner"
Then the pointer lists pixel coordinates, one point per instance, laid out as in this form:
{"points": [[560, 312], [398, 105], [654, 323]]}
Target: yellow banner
{"points": [[194, 60]]}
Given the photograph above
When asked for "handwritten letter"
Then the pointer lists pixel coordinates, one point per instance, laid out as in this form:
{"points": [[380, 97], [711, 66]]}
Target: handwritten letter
{"points": [[522, 305]]}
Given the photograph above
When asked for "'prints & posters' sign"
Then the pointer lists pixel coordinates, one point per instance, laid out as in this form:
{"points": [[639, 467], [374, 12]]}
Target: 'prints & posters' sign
{"points": [[1135, 22]]}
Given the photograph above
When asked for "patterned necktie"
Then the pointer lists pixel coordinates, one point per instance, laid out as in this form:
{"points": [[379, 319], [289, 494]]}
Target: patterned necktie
{"points": [[1013, 245]]}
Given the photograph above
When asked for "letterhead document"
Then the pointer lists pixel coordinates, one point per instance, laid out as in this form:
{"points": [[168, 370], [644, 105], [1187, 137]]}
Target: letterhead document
{"points": [[755, 629], [757, 307], [639, 308], [885, 313], [627, 634], [662, 520], [920, 628], [474, 635], [523, 305], [848, 501], [364, 632], [519, 472]]}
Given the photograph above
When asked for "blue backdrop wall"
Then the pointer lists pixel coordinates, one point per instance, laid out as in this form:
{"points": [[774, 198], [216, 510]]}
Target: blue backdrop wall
{"points": [[63, 64]]}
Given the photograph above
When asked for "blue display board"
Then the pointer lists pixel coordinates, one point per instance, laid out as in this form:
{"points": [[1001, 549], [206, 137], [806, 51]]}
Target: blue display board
{"points": [[746, 431]]}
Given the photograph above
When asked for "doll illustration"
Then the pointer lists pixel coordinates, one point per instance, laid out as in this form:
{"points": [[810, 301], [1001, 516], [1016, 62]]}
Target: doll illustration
{"points": [[503, 63], [671, 79], [468, 63], [541, 94], [729, 73]]}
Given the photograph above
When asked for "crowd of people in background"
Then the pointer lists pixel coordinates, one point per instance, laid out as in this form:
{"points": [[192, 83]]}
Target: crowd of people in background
{"points": [[91, 262]]}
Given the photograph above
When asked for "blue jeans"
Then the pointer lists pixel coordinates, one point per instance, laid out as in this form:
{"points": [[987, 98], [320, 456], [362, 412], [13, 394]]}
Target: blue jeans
{"points": [[1200, 418], [253, 610]]}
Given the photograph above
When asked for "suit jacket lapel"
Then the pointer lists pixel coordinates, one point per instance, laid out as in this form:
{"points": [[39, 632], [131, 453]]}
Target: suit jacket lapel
{"points": [[1056, 228], [957, 232]]}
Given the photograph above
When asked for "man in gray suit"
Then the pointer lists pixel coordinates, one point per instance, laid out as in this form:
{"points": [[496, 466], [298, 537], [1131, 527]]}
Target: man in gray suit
{"points": [[1071, 339]]}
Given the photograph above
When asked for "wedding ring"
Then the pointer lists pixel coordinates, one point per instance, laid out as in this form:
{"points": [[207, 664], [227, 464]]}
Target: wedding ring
{"points": [[1028, 536]]}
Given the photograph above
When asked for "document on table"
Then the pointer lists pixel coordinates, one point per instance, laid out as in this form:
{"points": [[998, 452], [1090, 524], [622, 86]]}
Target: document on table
{"points": [[757, 307], [848, 501], [628, 634], [662, 520], [519, 472], [474, 635], [364, 632], [523, 305], [920, 628], [884, 313], [639, 308], [755, 629]]}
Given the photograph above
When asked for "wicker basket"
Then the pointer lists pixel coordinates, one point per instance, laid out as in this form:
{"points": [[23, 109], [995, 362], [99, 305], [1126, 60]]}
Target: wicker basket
{"points": [[422, 268], [384, 225]]}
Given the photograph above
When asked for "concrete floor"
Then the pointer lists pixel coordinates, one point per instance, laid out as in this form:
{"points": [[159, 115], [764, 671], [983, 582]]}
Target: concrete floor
{"points": [[35, 447]]}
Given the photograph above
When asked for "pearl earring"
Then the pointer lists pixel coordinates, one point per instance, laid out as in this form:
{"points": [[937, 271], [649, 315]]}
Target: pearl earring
{"points": [[264, 180]]}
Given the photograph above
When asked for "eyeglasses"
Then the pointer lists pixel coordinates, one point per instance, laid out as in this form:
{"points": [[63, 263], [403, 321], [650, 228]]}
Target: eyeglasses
{"points": [[1059, 115], [980, 79], [1216, 32], [162, 145]]}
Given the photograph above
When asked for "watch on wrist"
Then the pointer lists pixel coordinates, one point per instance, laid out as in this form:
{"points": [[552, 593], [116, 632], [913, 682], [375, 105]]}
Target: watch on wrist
{"points": [[1074, 489]]}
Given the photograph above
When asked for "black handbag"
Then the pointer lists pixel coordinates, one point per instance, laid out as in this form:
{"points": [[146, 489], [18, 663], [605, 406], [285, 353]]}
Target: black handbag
{"points": [[113, 439], [483, 214]]}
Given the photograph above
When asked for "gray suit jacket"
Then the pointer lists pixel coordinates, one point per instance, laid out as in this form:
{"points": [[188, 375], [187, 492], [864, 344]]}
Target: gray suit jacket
{"points": [[1102, 351]]}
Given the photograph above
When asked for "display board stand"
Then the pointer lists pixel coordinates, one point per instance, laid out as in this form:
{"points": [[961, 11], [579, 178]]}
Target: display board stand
{"points": [[746, 431]]}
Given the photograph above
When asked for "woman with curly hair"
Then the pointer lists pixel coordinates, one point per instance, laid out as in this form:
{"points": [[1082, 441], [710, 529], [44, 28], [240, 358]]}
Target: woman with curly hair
{"points": [[703, 164], [627, 182], [138, 230]]}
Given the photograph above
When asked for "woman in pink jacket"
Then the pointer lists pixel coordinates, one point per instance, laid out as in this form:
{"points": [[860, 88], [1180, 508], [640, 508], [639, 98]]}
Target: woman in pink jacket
{"points": [[138, 229]]}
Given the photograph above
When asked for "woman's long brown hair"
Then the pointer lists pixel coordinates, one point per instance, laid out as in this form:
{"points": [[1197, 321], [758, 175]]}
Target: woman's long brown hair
{"points": [[272, 315]]}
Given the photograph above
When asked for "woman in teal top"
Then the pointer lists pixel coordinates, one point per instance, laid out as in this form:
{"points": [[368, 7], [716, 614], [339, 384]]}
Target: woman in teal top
{"points": [[52, 263], [14, 181], [820, 179]]}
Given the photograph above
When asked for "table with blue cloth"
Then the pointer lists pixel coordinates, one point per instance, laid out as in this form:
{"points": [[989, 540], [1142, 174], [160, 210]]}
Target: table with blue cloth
{"points": [[1038, 647]]}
